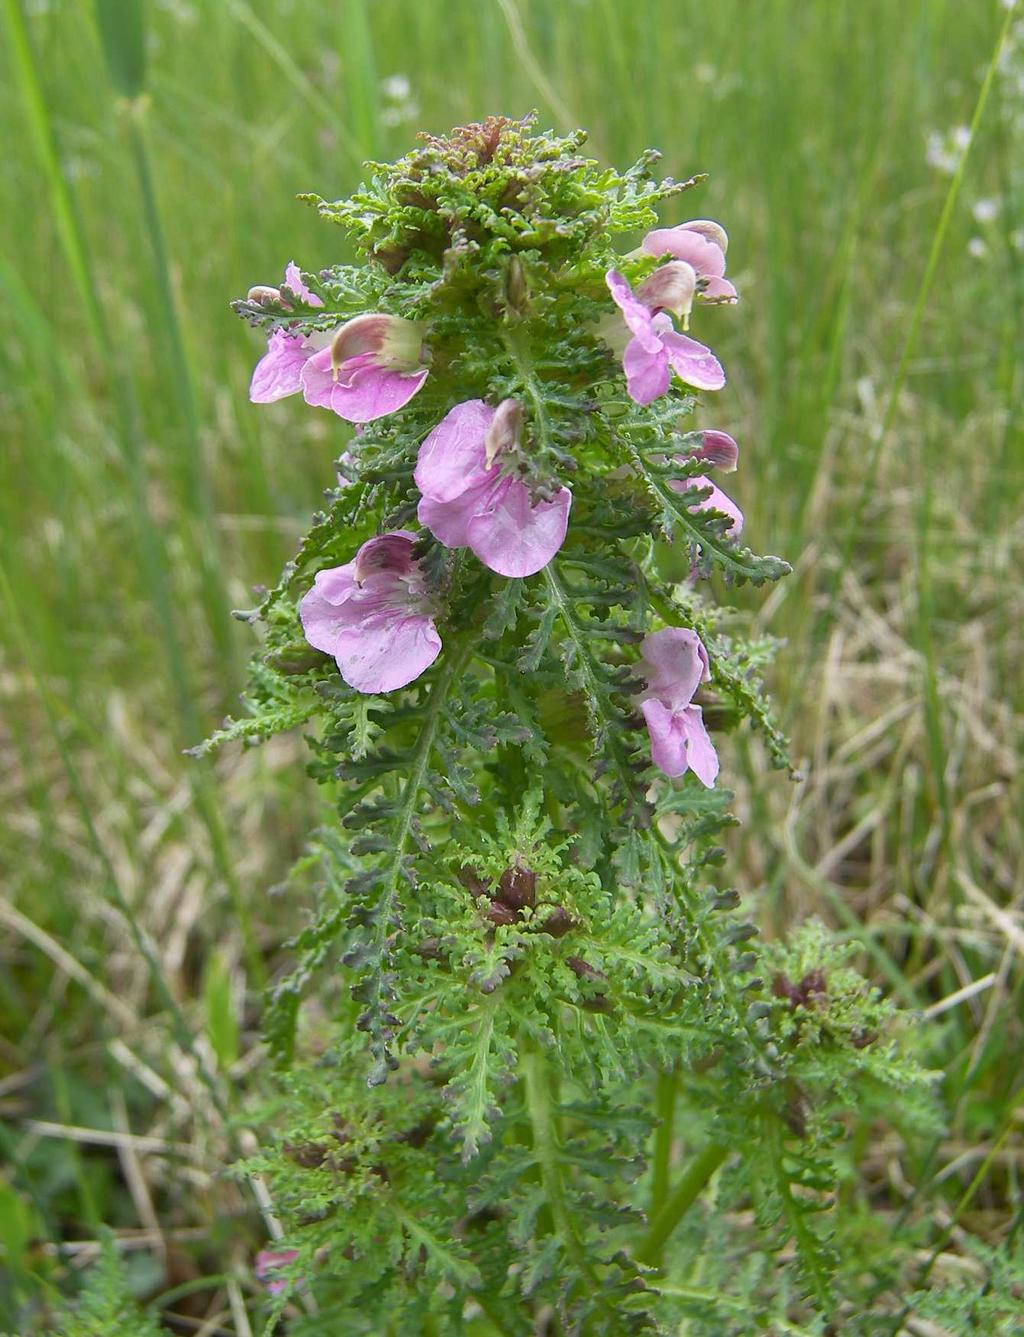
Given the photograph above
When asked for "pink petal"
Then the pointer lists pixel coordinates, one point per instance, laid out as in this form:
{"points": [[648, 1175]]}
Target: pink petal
{"points": [[387, 554], [719, 290], [268, 1261], [451, 458], [329, 608], [700, 751], [387, 651], [448, 521], [362, 391], [293, 279], [636, 315], [719, 450], [693, 363], [680, 742], [674, 663], [682, 243], [278, 372], [667, 750], [515, 538], [717, 501], [670, 288], [374, 393], [318, 379], [647, 374]]}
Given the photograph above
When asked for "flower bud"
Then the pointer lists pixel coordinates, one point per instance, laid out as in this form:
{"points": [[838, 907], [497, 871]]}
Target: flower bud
{"points": [[517, 887], [262, 294], [517, 294], [557, 923], [503, 433]]}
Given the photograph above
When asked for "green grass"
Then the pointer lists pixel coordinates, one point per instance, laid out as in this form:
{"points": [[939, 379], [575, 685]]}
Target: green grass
{"points": [[141, 496]]}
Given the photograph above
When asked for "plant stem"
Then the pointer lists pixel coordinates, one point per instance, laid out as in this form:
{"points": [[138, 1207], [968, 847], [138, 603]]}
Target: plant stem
{"points": [[679, 1202], [666, 1089]]}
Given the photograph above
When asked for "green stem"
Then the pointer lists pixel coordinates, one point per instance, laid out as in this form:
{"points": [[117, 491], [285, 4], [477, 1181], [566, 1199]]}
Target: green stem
{"points": [[666, 1090], [541, 1108], [679, 1202]]}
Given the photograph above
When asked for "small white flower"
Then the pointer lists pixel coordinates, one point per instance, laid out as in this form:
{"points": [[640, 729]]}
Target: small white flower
{"points": [[938, 154], [977, 248], [397, 87], [1017, 239], [399, 114], [985, 211]]}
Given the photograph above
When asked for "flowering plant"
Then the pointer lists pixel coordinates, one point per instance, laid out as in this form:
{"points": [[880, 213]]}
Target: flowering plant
{"points": [[523, 979]]}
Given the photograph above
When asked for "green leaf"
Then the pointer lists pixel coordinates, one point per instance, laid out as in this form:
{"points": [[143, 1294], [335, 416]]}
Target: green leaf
{"points": [[219, 1006]]}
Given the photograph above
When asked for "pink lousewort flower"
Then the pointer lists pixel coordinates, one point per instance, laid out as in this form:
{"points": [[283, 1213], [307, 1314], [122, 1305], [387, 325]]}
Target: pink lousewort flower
{"points": [[269, 1261], [721, 452], [656, 349], [675, 663], [701, 244], [373, 367], [364, 369], [468, 503], [374, 615], [278, 372]]}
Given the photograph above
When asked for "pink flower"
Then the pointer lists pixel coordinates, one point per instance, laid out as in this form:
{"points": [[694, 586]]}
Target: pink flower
{"points": [[468, 503], [675, 663], [721, 452], [656, 349], [268, 1261], [364, 369], [718, 449], [702, 245], [374, 615], [278, 373], [373, 367]]}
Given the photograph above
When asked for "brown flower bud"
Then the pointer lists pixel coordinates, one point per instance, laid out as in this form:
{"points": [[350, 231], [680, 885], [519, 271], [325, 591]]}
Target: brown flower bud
{"points": [[517, 887], [557, 922]]}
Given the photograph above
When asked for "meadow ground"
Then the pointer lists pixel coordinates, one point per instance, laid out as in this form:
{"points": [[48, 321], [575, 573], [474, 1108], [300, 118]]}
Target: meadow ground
{"points": [[141, 497]]}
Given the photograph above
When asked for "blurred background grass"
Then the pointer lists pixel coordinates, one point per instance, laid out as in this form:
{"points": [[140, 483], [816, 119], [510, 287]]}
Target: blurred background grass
{"points": [[141, 497]]}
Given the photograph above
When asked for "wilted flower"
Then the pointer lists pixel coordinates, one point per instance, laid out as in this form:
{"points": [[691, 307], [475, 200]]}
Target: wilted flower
{"points": [[656, 349], [468, 502], [374, 615], [269, 1261], [700, 244], [720, 451], [675, 663]]}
